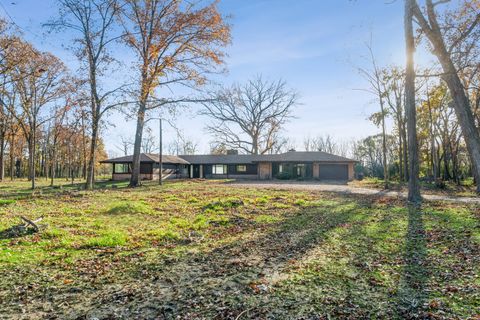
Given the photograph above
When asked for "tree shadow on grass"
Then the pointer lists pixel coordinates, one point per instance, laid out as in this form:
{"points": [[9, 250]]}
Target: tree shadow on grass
{"points": [[47, 191], [411, 293], [16, 231], [227, 280]]}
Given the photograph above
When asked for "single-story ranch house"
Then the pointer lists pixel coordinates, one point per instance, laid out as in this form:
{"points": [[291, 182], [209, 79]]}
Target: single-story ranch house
{"points": [[288, 165]]}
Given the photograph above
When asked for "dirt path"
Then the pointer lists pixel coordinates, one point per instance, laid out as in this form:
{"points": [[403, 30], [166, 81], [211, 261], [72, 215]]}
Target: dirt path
{"points": [[346, 189]]}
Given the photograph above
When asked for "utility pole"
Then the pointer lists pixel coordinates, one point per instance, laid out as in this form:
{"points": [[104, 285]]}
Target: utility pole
{"points": [[160, 167]]}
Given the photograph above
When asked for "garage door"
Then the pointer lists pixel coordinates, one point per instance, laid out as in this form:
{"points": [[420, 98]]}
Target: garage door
{"points": [[333, 172]]}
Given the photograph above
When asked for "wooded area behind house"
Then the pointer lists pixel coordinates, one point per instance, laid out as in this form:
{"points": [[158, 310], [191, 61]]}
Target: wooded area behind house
{"points": [[44, 123], [52, 121], [384, 225]]}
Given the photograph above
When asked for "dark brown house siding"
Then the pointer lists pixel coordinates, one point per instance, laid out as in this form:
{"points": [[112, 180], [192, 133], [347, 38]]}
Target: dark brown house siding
{"points": [[298, 165], [233, 171], [295, 170]]}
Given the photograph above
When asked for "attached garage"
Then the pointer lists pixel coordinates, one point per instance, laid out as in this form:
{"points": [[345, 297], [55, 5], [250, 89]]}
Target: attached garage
{"points": [[333, 172]]}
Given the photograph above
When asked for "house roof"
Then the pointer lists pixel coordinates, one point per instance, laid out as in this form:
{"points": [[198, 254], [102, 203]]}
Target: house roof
{"points": [[306, 156], [148, 158], [221, 159], [291, 156]]}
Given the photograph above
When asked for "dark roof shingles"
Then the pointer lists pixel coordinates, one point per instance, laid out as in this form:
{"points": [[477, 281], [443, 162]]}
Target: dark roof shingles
{"points": [[291, 156], [148, 158]]}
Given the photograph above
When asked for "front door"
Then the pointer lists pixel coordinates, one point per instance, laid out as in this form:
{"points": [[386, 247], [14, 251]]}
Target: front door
{"points": [[196, 171], [299, 171]]}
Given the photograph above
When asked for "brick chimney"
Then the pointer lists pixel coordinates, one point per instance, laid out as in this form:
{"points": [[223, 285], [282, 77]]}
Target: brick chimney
{"points": [[232, 152]]}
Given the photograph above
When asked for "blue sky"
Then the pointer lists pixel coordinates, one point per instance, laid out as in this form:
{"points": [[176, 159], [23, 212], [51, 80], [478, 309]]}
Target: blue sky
{"points": [[314, 45]]}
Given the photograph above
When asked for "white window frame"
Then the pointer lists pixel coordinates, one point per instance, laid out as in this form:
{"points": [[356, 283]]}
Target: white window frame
{"points": [[219, 169], [243, 166], [301, 166]]}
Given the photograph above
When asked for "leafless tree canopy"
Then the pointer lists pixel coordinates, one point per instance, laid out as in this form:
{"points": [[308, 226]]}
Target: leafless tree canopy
{"points": [[175, 43], [92, 22], [250, 117]]}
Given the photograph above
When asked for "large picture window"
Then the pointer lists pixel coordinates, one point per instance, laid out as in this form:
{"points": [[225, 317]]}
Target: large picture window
{"points": [[122, 168], [241, 168], [219, 169]]}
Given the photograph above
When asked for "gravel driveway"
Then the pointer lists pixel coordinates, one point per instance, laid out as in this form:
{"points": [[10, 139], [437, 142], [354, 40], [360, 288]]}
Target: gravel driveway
{"points": [[343, 188]]}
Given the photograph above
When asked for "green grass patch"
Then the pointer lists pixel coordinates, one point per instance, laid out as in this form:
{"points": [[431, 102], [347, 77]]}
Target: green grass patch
{"points": [[129, 207], [163, 235], [263, 218], [5, 202], [285, 253], [113, 238]]}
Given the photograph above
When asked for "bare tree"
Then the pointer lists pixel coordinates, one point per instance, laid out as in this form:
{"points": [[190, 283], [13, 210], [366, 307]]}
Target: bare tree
{"points": [[443, 48], [93, 21], [8, 96], [249, 117], [57, 124], [125, 145], [324, 143], [182, 144], [218, 148], [44, 83], [149, 142], [176, 42], [410, 108], [370, 154], [377, 88], [308, 143], [343, 148], [394, 87], [327, 143]]}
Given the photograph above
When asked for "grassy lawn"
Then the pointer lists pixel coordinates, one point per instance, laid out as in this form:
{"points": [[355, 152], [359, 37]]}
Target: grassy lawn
{"points": [[465, 189], [204, 250]]}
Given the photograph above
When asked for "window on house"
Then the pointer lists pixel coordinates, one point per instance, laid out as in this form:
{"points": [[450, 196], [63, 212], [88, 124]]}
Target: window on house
{"points": [[300, 169], [281, 168], [219, 169], [241, 168], [122, 168]]}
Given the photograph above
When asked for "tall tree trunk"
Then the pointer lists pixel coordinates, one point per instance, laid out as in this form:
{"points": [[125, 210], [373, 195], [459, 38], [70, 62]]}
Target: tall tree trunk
{"points": [[446, 170], [91, 161], [433, 153], [70, 163], [31, 160], [95, 104], [413, 182], [405, 151], [54, 162], [455, 173], [466, 121], [84, 149], [400, 142], [461, 103], [135, 177], [384, 146], [2, 156], [400, 155], [446, 154], [434, 159], [255, 143], [12, 157]]}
